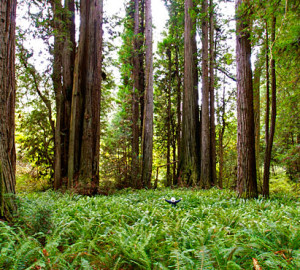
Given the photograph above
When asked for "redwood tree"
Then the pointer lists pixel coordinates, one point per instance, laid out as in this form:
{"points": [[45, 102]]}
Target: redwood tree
{"points": [[135, 171], [246, 165], [213, 177], [147, 137], [205, 124], [7, 107], [270, 135], [189, 172], [63, 72], [83, 162]]}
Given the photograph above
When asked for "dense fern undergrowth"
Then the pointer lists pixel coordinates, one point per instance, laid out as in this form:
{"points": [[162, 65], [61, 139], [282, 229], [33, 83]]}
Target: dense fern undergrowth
{"points": [[209, 229]]}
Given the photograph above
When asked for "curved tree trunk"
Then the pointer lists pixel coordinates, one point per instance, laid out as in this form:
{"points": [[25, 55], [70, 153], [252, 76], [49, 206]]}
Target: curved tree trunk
{"points": [[7, 107]]}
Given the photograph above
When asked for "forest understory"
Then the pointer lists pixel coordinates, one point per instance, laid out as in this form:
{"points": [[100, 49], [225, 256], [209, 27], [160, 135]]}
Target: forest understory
{"points": [[208, 229]]}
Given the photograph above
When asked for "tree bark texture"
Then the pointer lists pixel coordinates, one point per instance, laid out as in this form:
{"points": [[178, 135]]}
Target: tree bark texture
{"points": [[246, 165], [189, 171], [213, 178], [205, 121], [63, 71], [135, 172], [57, 86], [142, 65], [169, 177], [267, 162], [179, 94], [147, 137], [256, 106], [83, 163], [222, 122], [7, 107]]}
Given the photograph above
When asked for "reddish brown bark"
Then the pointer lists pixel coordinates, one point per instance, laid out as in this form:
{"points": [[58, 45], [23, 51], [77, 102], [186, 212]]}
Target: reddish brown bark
{"points": [[147, 137], [246, 165], [256, 105], [7, 107], [205, 122], [135, 177], [267, 162], [189, 157], [85, 112], [169, 177], [213, 177]]}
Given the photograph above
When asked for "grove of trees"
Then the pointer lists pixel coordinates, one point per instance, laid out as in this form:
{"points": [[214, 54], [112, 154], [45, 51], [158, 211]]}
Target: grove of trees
{"points": [[97, 103]]}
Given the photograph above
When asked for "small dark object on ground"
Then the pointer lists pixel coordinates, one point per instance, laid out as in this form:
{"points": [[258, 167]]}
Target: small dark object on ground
{"points": [[173, 201]]}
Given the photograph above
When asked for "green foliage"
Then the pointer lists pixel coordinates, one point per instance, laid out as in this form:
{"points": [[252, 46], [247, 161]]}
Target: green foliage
{"points": [[209, 229], [35, 142]]}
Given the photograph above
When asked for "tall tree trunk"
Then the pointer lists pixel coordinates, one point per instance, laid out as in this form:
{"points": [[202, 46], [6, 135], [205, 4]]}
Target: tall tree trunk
{"points": [[221, 137], [267, 163], [142, 65], [57, 85], [85, 111], [68, 67], [63, 71], [213, 178], [147, 137], [189, 157], [169, 177], [178, 130], [246, 165], [7, 108], [267, 119], [205, 123], [135, 100], [256, 106]]}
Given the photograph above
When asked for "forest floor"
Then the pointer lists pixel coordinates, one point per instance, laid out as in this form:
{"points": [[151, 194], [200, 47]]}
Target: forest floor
{"points": [[209, 229]]}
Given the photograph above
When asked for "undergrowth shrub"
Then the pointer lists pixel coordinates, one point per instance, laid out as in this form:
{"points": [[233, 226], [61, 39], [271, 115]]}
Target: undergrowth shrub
{"points": [[209, 229]]}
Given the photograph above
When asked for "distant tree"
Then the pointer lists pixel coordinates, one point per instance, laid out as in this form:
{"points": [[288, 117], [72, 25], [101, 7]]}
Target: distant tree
{"points": [[7, 107], [135, 169], [147, 136], [84, 145], [246, 165], [189, 172], [270, 133], [205, 122], [213, 178]]}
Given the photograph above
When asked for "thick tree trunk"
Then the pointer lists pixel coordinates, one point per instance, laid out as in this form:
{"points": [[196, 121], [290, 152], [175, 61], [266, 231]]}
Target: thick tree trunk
{"points": [[135, 100], [189, 157], [267, 163], [205, 123], [7, 108], [213, 178], [63, 71], [85, 112], [147, 137], [246, 165], [68, 66]]}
